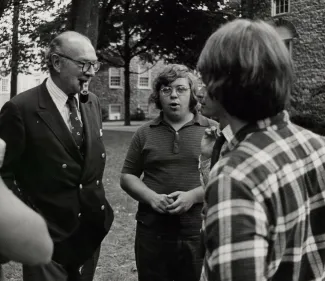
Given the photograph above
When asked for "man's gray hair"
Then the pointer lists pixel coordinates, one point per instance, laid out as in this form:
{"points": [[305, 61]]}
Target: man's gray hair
{"points": [[57, 43]]}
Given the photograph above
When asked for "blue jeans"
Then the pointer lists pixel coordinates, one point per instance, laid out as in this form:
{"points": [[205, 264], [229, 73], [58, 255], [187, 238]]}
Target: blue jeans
{"points": [[165, 257]]}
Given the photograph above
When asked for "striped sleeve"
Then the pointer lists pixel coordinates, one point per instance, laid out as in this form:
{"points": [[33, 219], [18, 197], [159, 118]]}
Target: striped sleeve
{"points": [[133, 163]]}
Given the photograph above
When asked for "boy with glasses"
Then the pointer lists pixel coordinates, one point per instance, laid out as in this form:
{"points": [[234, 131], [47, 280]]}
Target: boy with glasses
{"points": [[166, 151]]}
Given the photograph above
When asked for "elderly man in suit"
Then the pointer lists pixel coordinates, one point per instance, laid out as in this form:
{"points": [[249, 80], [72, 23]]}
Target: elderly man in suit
{"points": [[55, 159]]}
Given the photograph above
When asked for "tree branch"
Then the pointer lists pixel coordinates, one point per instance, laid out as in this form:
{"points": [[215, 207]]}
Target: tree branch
{"points": [[140, 42], [141, 51], [120, 51], [139, 73], [132, 31]]}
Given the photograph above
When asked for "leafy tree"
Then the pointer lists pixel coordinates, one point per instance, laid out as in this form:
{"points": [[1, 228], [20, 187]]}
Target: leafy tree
{"points": [[248, 8], [16, 26], [83, 17], [173, 30], [3, 6]]}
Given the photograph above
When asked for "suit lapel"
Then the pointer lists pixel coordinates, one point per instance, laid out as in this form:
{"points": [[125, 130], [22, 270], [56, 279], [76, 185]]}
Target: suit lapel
{"points": [[86, 110], [53, 119]]}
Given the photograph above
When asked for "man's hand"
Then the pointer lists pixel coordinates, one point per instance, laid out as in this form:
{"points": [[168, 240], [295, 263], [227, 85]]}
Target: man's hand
{"points": [[159, 202], [184, 201], [207, 142]]}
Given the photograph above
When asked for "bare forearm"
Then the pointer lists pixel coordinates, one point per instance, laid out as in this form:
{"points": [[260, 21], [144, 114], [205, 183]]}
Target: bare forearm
{"points": [[198, 194], [135, 187]]}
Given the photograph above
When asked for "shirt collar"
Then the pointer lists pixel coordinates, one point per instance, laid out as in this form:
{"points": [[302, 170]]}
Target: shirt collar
{"points": [[272, 123], [227, 133], [59, 97], [197, 119]]}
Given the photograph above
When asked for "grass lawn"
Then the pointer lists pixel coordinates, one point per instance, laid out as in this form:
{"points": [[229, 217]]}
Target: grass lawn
{"points": [[117, 255]]}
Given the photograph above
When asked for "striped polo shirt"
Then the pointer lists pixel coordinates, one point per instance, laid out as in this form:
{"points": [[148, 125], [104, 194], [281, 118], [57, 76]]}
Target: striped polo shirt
{"points": [[168, 160]]}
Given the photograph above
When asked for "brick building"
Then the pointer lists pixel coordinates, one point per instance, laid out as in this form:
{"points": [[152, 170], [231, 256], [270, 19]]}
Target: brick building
{"points": [[301, 23], [24, 82], [109, 87]]}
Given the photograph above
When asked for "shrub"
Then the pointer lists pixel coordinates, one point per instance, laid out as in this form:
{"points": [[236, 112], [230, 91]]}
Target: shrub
{"points": [[308, 108], [138, 115], [104, 114]]}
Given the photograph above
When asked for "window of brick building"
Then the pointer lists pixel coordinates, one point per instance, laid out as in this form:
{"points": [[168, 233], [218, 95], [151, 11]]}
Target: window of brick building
{"points": [[115, 77], [4, 85], [280, 7], [114, 111], [144, 77]]}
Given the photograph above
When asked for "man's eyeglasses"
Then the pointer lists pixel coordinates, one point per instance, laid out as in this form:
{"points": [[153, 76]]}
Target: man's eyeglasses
{"points": [[180, 91], [85, 66]]}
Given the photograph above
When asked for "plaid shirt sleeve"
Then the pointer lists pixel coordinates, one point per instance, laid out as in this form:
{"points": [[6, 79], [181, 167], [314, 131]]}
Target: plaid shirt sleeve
{"points": [[236, 231]]}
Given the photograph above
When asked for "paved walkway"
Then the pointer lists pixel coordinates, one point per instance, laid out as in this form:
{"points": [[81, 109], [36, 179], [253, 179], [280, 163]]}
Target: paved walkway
{"points": [[119, 126]]}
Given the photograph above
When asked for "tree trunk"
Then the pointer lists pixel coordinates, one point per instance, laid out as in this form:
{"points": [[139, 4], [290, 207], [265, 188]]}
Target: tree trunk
{"points": [[104, 15], [72, 15], [15, 50], [127, 60], [94, 21], [84, 18], [127, 94]]}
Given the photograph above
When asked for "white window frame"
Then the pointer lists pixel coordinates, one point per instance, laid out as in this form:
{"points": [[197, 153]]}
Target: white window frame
{"points": [[274, 6], [110, 113], [110, 76], [114, 104], [1, 85], [144, 74]]}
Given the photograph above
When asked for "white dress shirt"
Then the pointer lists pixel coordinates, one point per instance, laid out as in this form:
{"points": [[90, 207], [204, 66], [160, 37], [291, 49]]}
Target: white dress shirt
{"points": [[60, 100]]}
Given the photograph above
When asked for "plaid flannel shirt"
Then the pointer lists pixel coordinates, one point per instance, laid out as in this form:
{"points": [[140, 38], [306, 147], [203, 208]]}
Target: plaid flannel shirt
{"points": [[266, 206]]}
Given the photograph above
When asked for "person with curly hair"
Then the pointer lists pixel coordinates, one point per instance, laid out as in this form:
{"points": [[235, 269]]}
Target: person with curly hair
{"points": [[166, 151]]}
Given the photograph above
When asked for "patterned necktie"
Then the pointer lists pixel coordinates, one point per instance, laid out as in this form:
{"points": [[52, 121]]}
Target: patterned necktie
{"points": [[76, 125]]}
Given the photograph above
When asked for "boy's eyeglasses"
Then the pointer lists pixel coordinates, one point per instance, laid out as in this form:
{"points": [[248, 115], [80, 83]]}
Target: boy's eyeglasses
{"points": [[180, 90]]}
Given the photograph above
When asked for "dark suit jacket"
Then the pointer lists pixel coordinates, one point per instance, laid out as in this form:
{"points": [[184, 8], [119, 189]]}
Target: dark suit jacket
{"points": [[44, 166]]}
